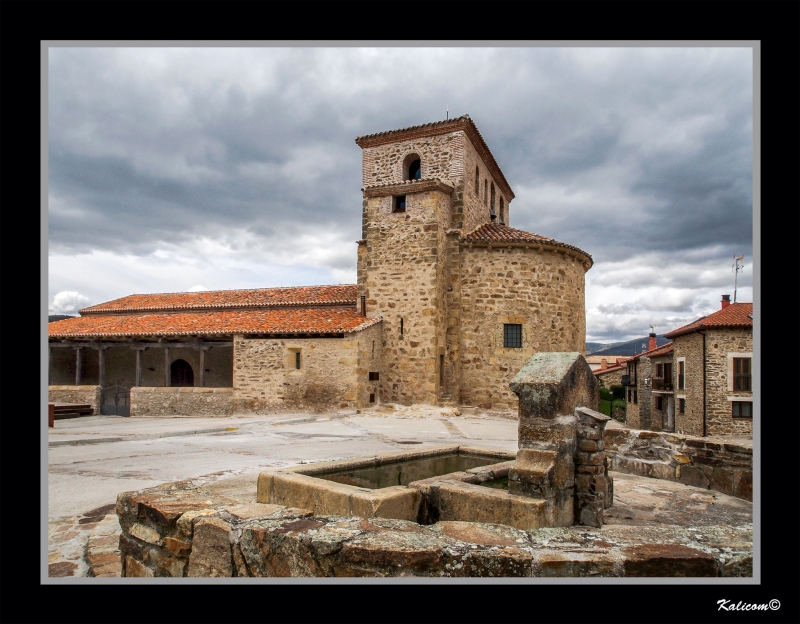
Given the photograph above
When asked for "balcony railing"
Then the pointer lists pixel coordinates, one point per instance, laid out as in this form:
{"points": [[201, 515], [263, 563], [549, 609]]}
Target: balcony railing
{"points": [[662, 384], [627, 381]]}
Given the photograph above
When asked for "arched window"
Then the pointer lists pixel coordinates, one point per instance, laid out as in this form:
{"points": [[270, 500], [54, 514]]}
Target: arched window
{"points": [[485, 192], [412, 167], [477, 181], [491, 205], [502, 211], [181, 373]]}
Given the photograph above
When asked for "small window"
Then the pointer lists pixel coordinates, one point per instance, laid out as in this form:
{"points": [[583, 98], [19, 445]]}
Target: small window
{"points": [[681, 406], [485, 193], [401, 326], [741, 374], [629, 396], [414, 170], [372, 398], [502, 211], [681, 375], [512, 336], [297, 360], [477, 181], [374, 376], [491, 204], [399, 203], [742, 409], [659, 403], [635, 397], [660, 371]]}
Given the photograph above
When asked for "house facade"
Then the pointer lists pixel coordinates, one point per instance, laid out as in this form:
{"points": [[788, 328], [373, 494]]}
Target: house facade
{"points": [[450, 302], [714, 363], [699, 384]]}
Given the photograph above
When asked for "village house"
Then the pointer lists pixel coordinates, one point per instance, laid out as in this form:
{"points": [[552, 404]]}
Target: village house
{"points": [[450, 302], [700, 383]]}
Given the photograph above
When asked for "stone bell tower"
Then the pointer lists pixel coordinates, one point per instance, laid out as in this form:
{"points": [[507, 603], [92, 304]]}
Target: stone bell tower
{"points": [[423, 187]]}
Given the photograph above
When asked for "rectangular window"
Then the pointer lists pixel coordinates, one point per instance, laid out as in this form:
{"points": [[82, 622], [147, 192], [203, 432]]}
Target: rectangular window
{"points": [[741, 374], [681, 375], [371, 398], [374, 376], [297, 360], [635, 397], [742, 409], [399, 203], [659, 371], [659, 403], [629, 395], [512, 336], [681, 406]]}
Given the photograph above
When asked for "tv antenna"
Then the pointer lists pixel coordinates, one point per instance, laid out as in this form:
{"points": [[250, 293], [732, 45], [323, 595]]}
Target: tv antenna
{"points": [[736, 268], [448, 111]]}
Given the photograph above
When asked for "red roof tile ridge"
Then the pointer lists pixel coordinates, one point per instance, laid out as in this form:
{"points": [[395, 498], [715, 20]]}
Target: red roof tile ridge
{"points": [[734, 315], [496, 233]]}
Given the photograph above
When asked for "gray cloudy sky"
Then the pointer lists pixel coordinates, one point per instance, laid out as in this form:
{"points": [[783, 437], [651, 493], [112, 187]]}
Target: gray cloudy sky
{"points": [[174, 169]]}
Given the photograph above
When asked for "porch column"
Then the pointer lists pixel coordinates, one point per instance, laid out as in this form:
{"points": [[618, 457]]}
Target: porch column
{"points": [[202, 368], [167, 378], [101, 361], [139, 365], [78, 366]]}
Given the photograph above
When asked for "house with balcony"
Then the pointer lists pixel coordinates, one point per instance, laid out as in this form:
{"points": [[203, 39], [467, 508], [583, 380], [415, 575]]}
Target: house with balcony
{"points": [[713, 361], [649, 383]]}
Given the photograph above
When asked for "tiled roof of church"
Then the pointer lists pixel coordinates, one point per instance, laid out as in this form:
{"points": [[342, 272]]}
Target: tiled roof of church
{"points": [[333, 320], [226, 299], [495, 233], [735, 315]]}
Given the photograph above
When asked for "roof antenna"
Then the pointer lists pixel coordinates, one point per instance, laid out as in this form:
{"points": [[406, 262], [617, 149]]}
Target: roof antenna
{"points": [[736, 268], [448, 111]]}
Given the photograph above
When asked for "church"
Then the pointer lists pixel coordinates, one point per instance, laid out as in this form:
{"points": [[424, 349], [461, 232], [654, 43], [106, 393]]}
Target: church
{"points": [[450, 303]]}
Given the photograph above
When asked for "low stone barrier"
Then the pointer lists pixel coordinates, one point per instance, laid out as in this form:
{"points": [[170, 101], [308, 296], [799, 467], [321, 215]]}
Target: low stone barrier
{"points": [[82, 395], [181, 401], [720, 466], [181, 529]]}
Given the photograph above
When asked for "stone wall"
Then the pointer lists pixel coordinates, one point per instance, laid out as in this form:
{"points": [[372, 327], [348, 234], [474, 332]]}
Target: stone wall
{"points": [[657, 418], [402, 276], [441, 156], [721, 466], [719, 382], [266, 379], [690, 347], [541, 290], [614, 378], [370, 360], [182, 530], [181, 401], [476, 209], [83, 395]]}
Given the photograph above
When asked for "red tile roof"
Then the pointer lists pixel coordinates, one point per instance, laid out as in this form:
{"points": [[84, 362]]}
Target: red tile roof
{"points": [[735, 315], [215, 299], [611, 369], [658, 351], [333, 320], [496, 233]]}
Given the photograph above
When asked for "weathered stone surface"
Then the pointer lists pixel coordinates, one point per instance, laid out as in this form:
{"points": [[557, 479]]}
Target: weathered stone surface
{"points": [[146, 534], [135, 568], [593, 563], [554, 384], [668, 560], [211, 549], [163, 563]]}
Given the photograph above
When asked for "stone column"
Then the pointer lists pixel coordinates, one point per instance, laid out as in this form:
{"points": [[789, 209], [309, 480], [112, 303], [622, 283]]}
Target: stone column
{"points": [[139, 350], [593, 489], [203, 366], [550, 387], [101, 365], [78, 366], [167, 378]]}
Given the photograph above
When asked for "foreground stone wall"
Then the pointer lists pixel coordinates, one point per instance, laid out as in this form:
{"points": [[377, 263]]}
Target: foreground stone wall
{"points": [[541, 290], [267, 380], [690, 422], [85, 395], [720, 466], [180, 529], [181, 401]]}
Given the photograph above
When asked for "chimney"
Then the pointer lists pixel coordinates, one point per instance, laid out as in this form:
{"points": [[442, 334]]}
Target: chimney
{"points": [[726, 301], [603, 364], [653, 343], [363, 305]]}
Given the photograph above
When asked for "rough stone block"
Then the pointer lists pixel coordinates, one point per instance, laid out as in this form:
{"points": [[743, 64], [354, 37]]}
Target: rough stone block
{"points": [[574, 564], [668, 560], [397, 502], [211, 549], [136, 569], [146, 534]]}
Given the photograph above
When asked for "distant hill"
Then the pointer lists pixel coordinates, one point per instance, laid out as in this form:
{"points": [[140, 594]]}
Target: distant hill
{"points": [[631, 347], [58, 317]]}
